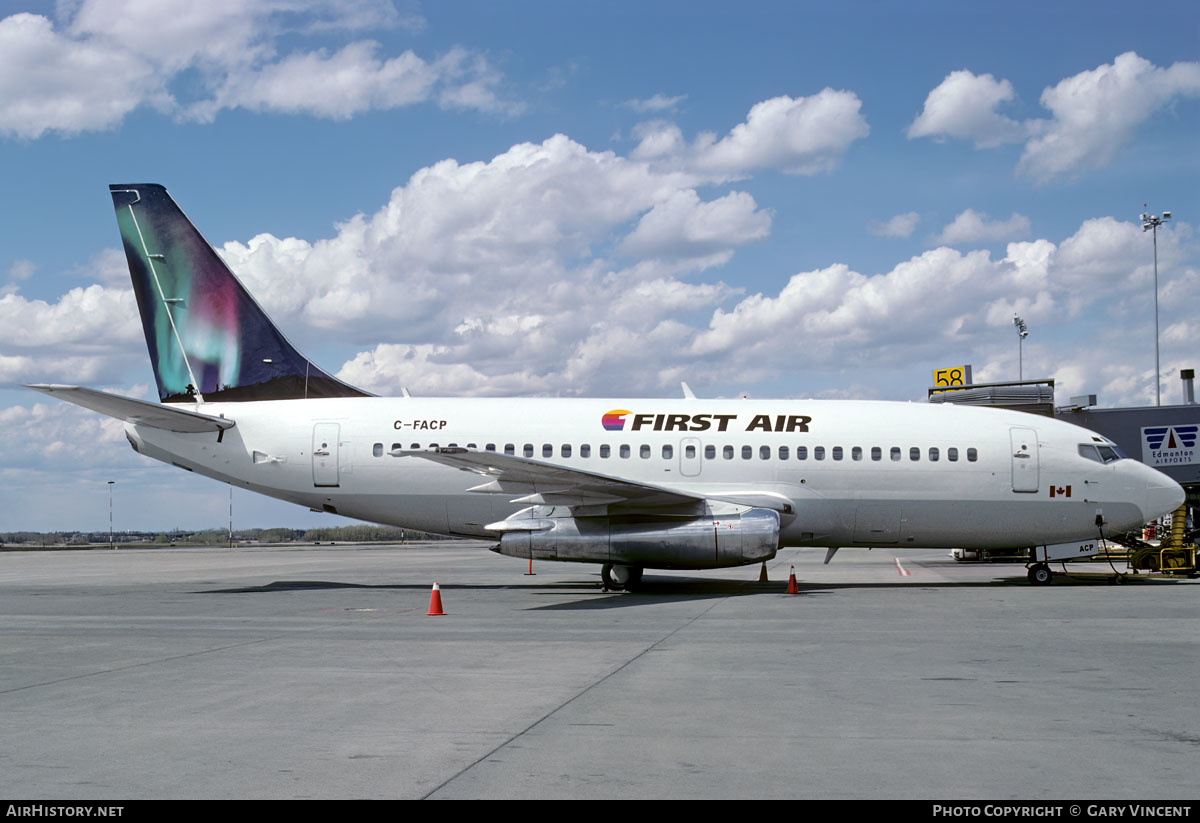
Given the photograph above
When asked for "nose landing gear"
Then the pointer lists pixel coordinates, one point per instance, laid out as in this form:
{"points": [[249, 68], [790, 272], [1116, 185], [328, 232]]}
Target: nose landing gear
{"points": [[1040, 574]]}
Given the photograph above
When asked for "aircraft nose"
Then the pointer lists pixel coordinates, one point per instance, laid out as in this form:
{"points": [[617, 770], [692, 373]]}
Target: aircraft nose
{"points": [[1163, 495]]}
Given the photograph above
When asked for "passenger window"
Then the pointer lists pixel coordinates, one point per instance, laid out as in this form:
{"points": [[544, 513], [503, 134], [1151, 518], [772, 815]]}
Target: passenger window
{"points": [[972, 455], [689, 452], [837, 452], [952, 454], [528, 450], [547, 450], [625, 450], [585, 450], [895, 454], [510, 449], [399, 446], [377, 450], [413, 446], [490, 447], [856, 453], [914, 453], [802, 452], [764, 452], [747, 452], [605, 451], [644, 451], [876, 453], [784, 453], [933, 454], [469, 446], [727, 452], [818, 453], [710, 452], [565, 450], [668, 452]]}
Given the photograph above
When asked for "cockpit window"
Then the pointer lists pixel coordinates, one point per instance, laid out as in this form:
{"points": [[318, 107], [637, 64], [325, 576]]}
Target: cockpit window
{"points": [[1101, 454], [1089, 451], [1110, 454]]}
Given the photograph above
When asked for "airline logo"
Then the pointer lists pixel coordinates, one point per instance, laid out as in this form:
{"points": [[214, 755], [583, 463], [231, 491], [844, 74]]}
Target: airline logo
{"points": [[614, 421], [1169, 445]]}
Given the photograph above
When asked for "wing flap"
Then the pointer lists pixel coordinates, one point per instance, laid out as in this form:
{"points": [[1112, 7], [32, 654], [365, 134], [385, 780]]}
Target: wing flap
{"points": [[136, 411]]}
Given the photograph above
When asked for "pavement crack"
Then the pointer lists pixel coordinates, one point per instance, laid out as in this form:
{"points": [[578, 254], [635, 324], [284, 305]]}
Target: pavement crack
{"points": [[138, 665], [572, 699]]}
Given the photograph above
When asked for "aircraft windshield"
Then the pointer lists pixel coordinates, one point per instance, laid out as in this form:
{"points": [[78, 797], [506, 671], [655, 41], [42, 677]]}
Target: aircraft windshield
{"points": [[1102, 453]]}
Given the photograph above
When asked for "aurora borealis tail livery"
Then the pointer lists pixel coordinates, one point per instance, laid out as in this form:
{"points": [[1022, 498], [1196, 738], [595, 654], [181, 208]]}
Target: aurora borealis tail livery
{"points": [[207, 337]]}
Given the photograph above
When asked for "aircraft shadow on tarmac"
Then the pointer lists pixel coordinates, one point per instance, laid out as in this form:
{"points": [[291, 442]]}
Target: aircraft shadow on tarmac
{"points": [[652, 589]]}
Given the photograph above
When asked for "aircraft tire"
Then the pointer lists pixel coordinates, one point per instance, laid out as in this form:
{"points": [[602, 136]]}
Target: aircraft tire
{"points": [[1040, 574]]}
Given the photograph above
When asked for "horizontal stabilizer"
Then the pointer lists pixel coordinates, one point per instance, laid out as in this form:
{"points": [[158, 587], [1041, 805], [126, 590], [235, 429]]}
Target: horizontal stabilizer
{"points": [[140, 412]]}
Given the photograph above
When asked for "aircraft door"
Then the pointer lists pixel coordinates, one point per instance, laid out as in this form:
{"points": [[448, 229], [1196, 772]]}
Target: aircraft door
{"points": [[325, 454], [1026, 468], [690, 460]]}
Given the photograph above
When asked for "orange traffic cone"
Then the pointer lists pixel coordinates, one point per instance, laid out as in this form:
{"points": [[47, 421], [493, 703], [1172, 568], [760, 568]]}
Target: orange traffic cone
{"points": [[792, 589], [762, 573], [435, 601]]}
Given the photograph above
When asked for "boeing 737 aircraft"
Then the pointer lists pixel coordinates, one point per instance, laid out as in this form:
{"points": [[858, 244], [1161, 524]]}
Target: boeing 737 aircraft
{"points": [[627, 483]]}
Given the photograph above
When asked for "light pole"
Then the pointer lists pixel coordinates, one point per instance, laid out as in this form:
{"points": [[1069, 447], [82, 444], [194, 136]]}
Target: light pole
{"points": [[1153, 221], [110, 525], [1022, 333]]}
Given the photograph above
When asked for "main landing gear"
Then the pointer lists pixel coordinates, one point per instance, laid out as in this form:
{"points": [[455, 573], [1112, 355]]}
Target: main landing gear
{"points": [[1040, 574], [621, 578]]}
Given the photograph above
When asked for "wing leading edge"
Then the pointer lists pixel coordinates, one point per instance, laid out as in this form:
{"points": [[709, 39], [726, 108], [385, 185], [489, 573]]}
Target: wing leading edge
{"points": [[538, 483]]}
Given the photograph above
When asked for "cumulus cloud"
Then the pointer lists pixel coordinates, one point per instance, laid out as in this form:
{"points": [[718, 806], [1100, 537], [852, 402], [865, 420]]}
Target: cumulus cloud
{"points": [[50, 81], [1093, 114], [1096, 113], [963, 106], [684, 226], [943, 303], [87, 335], [974, 227], [902, 225], [111, 56], [556, 269], [803, 135]]}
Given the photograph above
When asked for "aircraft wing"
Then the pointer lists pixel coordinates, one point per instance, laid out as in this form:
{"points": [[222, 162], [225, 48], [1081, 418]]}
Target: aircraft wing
{"points": [[539, 483], [136, 411]]}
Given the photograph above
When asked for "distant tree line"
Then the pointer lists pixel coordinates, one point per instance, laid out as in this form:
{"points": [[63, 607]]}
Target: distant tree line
{"points": [[364, 533]]}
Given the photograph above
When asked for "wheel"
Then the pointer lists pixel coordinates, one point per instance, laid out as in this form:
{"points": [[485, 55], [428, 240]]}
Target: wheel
{"points": [[1040, 574], [621, 578]]}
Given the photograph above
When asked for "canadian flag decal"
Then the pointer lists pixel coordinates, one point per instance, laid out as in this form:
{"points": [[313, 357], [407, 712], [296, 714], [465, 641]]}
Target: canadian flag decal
{"points": [[1060, 491]]}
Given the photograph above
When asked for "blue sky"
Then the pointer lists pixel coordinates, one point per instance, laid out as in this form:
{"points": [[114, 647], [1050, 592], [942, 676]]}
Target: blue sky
{"points": [[535, 198]]}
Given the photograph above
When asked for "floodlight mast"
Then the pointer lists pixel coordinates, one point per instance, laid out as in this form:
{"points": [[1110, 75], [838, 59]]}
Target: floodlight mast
{"points": [[1022, 333], [1152, 222]]}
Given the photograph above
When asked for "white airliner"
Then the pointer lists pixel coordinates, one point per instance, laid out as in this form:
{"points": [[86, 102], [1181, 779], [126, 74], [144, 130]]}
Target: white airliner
{"points": [[626, 483]]}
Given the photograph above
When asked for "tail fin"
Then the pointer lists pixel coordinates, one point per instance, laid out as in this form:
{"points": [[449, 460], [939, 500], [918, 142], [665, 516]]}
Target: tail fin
{"points": [[207, 337]]}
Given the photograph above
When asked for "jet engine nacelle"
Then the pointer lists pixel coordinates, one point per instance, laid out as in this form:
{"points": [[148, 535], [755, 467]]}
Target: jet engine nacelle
{"points": [[708, 542]]}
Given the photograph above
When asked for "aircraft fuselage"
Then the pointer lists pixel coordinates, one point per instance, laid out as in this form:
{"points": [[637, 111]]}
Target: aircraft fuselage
{"points": [[840, 473]]}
